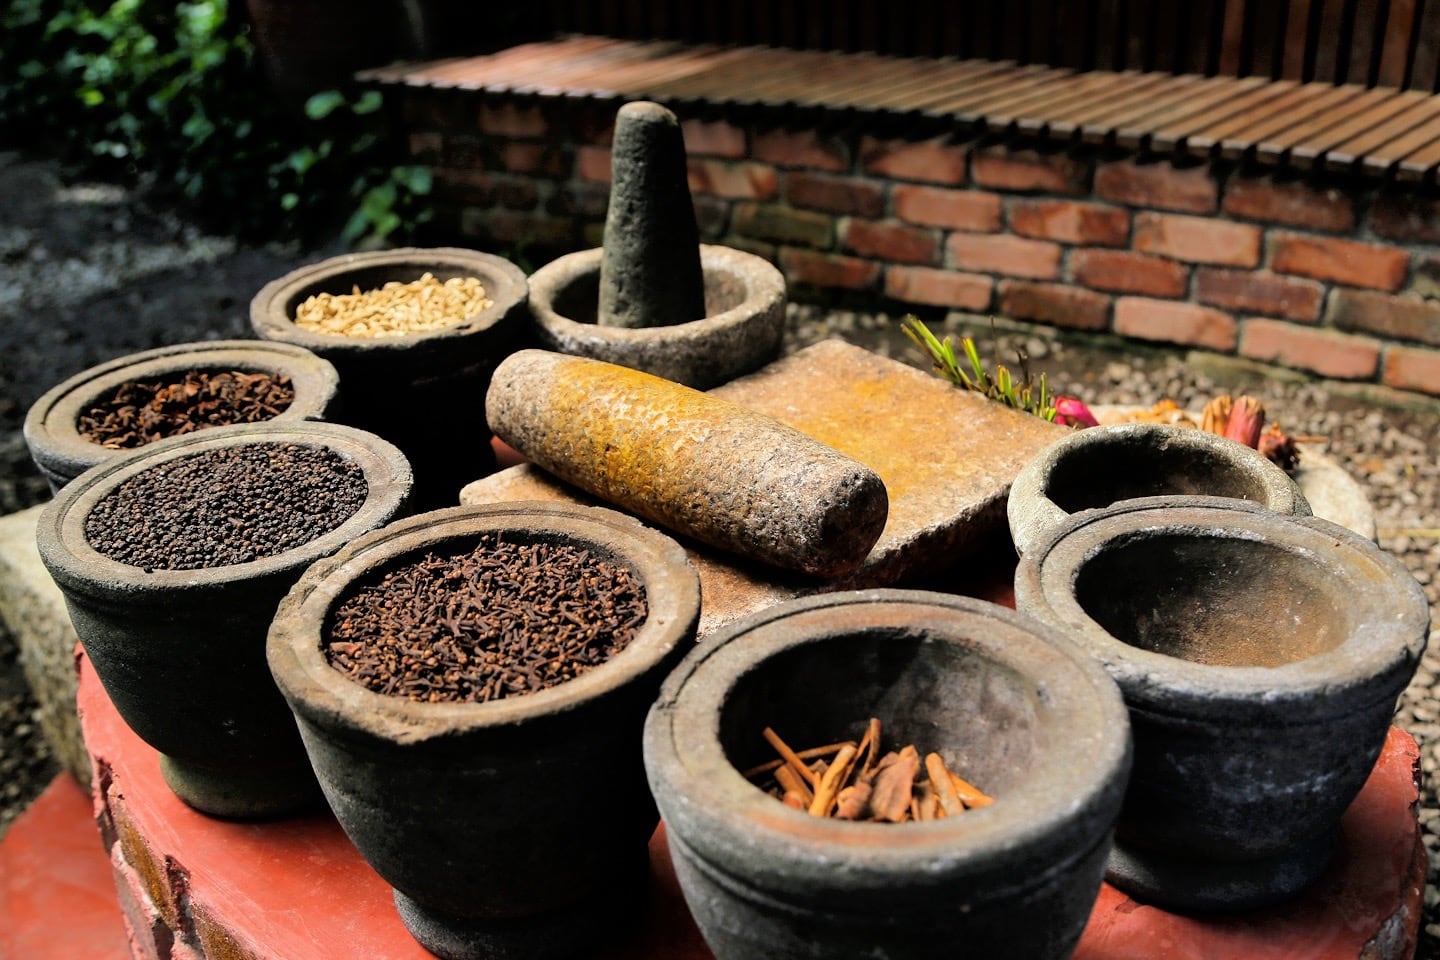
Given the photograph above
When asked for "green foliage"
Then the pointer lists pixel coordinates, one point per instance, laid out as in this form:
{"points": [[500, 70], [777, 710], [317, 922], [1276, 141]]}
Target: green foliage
{"points": [[1019, 394], [172, 92]]}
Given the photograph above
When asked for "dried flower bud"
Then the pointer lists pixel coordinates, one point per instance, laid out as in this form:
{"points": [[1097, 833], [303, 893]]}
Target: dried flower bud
{"points": [[1073, 413], [1216, 415], [1247, 419], [1279, 448]]}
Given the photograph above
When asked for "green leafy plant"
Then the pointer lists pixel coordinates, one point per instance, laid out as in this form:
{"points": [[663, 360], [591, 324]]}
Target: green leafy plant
{"points": [[171, 93], [966, 370]]}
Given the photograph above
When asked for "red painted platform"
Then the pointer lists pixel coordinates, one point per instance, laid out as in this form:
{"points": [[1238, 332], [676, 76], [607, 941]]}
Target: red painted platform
{"points": [[193, 887]]}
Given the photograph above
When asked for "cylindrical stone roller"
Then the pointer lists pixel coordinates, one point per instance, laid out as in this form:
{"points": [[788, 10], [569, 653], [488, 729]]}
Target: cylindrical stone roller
{"points": [[701, 466]]}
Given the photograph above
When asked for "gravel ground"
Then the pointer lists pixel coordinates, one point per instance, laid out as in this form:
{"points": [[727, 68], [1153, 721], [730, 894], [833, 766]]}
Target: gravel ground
{"points": [[90, 272]]}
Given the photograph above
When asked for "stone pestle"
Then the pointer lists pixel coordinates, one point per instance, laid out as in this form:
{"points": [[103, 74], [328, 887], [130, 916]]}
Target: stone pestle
{"points": [[701, 466], [650, 271]]}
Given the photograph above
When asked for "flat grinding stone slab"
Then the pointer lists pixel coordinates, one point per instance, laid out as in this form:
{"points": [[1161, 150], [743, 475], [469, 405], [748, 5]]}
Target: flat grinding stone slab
{"points": [[947, 458]]}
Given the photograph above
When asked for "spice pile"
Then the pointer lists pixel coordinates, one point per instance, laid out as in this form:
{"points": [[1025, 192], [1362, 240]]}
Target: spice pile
{"points": [[142, 411], [225, 506], [856, 782], [394, 309], [502, 620]]}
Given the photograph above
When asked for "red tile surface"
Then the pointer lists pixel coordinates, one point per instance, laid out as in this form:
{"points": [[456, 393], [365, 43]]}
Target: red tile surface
{"points": [[296, 889], [57, 896]]}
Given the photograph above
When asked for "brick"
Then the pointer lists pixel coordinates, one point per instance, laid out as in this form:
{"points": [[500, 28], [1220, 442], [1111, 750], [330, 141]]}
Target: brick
{"points": [[508, 227], [1409, 368], [1343, 261], [828, 269], [1198, 239], [928, 161], [1292, 203], [480, 188], [713, 138], [425, 146], [1055, 303], [940, 288], [533, 158], [770, 221], [436, 109], [889, 240], [1404, 317], [1256, 291], [1406, 217], [943, 207], [1159, 184], [511, 119], [1174, 322], [150, 938], [1123, 271], [593, 164], [1070, 221], [736, 179], [1024, 170], [1014, 256], [801, 148], [1342, 356], [822, 191], [583, 198]]}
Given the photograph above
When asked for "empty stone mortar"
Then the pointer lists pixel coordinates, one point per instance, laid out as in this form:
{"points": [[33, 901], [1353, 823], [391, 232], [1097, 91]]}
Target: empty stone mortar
{"points": [[1098, 466], [62, 453], [181, 653], [1003, 699], [516, 827], [1260, 657], [424, 392], [740, 333]]}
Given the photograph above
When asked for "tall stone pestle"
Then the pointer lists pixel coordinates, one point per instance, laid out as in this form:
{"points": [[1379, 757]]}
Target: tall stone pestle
{"points": [[650, 270]]}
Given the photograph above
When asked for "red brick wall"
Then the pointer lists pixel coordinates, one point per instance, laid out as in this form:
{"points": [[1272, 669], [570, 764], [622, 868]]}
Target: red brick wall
{"points": [[1337, 277]]}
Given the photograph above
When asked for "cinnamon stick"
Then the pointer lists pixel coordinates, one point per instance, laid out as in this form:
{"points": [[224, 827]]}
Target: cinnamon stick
{"points": [[783, 748], [945, 791], [834, 779], [971, 795]]}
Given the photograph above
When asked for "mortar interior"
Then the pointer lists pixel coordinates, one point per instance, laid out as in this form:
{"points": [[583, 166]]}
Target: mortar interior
{"points": [[579, 300], [1215, 600], [1101, 474], [979, 714]]}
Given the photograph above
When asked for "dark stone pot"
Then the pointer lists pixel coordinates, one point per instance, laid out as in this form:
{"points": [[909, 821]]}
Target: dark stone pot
{"points": [[181, 653], [741, 332], [1260, 656], [62, 454], [1001, 697], [515, 828], [1098, 466], [424, 392]]}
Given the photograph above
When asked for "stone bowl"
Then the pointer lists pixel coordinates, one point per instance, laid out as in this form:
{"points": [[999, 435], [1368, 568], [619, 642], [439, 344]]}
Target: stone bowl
{"points": [[1099, 466], [181, 653], [424, 392], [1260, 657], [62, 453], [744, 303], [1005, 701], [513, 828]]}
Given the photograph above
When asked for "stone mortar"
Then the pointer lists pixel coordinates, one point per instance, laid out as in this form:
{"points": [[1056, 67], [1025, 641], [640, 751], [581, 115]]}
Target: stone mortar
{"points": [[741, 331]]}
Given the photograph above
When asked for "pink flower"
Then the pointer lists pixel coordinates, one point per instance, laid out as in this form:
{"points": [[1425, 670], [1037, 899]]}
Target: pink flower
{"points": [[1072, 412]]}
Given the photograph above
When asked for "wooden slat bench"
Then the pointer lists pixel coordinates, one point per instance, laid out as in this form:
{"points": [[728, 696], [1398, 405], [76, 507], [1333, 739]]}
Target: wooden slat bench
{"points": [[1381, 132]]}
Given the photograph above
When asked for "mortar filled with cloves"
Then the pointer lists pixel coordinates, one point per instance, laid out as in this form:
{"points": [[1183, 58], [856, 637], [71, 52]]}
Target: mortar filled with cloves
{"points": [[873, 773]]}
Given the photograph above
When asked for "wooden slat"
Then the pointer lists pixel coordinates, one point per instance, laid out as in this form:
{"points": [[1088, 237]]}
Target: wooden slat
{"points": [[1144, 90], [1329, 55], [737, 70], [1395, 50], [1364, 33], [1323, 99], [964, 74], [507, 63], [1310, 151], [1297, 40], [1032, 118], [971, 106], [1345, 155], [506, 77], [1172, 135], [1136, 131], [1275, 149], [642, 78], [937, 102], [778, 77], [1420, 164], [591, 72], [1390, 157], [877, 76], [1059, 88], [1285, 105], [1096, 124], [1232, 37]]}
